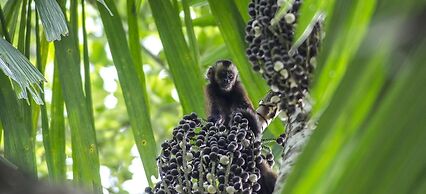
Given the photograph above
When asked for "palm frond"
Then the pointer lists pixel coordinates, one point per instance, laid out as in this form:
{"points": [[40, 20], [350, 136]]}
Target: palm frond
{"points": [[186, 73], [133, 85], [18, 68], [52, 18]]}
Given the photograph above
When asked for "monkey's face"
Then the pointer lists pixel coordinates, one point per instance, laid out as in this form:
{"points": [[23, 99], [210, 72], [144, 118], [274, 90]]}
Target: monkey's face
{"points": [[225, 75]]}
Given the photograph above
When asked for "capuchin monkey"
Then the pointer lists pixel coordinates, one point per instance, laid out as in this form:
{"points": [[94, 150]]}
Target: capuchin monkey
{"points": [[227, 96]]}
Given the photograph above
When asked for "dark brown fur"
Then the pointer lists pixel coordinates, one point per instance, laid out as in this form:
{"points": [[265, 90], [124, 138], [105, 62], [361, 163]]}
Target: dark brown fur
{"points": [[225, 97]]}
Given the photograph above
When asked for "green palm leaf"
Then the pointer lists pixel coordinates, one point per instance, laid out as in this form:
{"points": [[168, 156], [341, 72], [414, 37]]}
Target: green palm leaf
{"points": [[52, 18], [18, 68], [133, 85], [16, 119], [340, 48], [185, 71]]}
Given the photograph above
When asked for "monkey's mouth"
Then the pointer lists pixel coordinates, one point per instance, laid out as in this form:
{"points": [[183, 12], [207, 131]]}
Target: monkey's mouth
{"points": [[226, 83], [226, 87]]}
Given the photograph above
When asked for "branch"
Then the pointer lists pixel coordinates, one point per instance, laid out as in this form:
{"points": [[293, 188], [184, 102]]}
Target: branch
{"points": [[299, 129], [268, 109]]}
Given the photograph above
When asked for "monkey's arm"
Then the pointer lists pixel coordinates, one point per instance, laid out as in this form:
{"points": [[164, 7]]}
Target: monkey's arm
{"points": [[212, 105], [243, 105], [252, 118]]}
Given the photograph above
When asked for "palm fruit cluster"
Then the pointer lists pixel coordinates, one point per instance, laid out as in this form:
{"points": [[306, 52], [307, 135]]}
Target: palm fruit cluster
{"points": [[205, 158], [269, 44]]}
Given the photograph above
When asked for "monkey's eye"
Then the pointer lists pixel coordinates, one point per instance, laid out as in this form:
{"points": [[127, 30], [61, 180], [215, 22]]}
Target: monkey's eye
{"points": [[230, 76]]}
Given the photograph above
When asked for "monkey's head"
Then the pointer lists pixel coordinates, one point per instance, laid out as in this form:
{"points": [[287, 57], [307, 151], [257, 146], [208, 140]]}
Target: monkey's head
{"points": [[224, 74]]}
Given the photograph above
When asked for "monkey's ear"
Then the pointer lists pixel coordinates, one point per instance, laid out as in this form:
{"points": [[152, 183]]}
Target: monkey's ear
{"points": [[209, 74]]}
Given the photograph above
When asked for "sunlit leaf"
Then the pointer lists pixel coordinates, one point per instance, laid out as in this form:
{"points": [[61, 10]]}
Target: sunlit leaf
{"points": [[106, 6], [186, 74], [190, 32], [285, 5], [83, 136], [52, 18], [15, 116], [54, 139], [242, 6], [18, 68], [11, 16], [343, 47], [86, 64], [318, 18], [390, 145], [133, 86], [4, 32], [1, 132], [211, 56], [352, 104], [311, 11], [354, 153], [197, 3], [204, 20]]}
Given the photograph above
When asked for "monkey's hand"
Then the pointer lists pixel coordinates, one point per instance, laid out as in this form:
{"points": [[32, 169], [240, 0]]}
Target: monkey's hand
{"points": [[216, 119], [251, 117]]}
